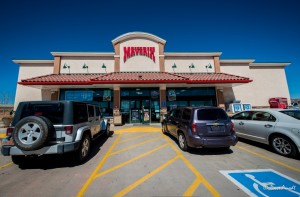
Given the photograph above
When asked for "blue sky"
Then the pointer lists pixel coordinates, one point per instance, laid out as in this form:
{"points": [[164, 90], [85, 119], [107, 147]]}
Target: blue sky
{"points": [[267, 31]]}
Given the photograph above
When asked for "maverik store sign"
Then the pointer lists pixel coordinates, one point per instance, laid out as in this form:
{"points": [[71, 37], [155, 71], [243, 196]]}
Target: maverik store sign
{"points": [[139, 51]]}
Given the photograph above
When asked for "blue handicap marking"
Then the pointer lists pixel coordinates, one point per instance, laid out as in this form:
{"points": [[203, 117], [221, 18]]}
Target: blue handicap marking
{"points": [[264, 182]]}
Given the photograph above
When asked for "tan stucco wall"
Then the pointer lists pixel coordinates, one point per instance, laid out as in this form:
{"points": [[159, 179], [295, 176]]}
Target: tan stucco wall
{"points": [[183, 63], [94, 64], [267, 82], [25, 93], [139, 63]]}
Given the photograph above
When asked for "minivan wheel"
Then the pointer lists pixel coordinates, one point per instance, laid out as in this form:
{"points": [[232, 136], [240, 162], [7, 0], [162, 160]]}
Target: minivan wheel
{"points": [[284, 146], [182, 142], [84, 148], [164, 129]]}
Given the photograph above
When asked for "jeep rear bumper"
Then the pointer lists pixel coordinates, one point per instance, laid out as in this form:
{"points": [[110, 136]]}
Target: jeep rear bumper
{"points": [[7, 150]]}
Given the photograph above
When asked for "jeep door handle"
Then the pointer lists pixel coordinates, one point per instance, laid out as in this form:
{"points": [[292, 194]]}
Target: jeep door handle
{"points": [[268, 125], [241, 123]]}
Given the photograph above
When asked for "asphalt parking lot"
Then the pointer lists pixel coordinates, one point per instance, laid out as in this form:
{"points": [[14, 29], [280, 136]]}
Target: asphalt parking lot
{"points": [[141, 161]]}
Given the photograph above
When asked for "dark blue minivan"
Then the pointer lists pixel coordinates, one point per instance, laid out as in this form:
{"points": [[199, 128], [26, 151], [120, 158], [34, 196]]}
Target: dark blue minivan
{"points": [[200, 127]]}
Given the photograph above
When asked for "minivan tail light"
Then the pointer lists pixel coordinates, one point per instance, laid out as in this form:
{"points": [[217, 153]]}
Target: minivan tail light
{"points": [[9, 131], [194, 128], [232, 128], [68, 129]]}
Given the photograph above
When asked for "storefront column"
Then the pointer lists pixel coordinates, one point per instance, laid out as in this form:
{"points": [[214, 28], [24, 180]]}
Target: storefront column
{"points": [[54, 96], [220, 98], [117, 97], [163, 101]]}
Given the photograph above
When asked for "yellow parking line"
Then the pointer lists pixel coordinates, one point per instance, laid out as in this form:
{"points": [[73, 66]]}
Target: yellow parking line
{"points": [[145, 134], [133, 146], [199, 178], [139, 129], [145, 178], [270, 159], [90, 179], [2, 135], [6, 165], [130, 161]]}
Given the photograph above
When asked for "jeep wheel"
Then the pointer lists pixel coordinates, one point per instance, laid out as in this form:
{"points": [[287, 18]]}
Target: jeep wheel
{"points": [[84, 148], [32, 132]]}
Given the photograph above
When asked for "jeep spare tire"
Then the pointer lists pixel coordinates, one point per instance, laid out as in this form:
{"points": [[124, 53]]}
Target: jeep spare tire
{"points": [[32, 132]]}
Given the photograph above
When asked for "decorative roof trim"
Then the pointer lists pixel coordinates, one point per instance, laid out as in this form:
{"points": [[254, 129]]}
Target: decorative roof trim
{"points": [[83, 54], [130, 35], [192, 54], [33, 61], [237, 61], [269, 64]]}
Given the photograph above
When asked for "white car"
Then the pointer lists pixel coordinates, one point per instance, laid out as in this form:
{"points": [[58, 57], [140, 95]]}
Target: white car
{"points": [[280, 128]]}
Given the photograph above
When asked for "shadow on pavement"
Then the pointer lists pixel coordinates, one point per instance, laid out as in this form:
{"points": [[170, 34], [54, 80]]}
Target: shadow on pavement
{"points": [[263, 146], [204, 151], [64, 160]]}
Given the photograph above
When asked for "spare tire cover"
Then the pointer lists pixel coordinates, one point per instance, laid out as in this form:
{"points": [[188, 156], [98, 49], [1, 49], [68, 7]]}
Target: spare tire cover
{"points": [[32, 132]]}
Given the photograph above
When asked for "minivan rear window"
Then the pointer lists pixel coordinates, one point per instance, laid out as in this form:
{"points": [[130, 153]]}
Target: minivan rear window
{"points": [[54, 112], [211, 114]]}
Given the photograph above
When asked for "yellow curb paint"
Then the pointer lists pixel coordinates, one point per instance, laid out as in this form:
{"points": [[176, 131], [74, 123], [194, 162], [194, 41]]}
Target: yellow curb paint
{"points": [[139, 129], [122, 141], [270, 159], [2, 135], [130, 161], [145, 178], [136, 145], [6, 165], [91, 178], [199, 178]]}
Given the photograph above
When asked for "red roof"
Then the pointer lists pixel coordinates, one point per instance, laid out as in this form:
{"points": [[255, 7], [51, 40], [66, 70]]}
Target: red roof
{"points": [[134, 78]]}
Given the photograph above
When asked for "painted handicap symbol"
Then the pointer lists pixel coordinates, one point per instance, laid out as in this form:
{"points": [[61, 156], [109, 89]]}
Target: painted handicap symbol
{"points": [[264, 183]]}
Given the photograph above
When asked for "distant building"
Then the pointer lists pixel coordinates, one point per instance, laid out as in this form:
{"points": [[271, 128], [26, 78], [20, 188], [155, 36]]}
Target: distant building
{"points": [[140, 76]]}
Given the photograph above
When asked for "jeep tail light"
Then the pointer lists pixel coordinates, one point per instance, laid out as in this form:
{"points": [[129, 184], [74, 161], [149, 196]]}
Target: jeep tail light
{"points": [[194, 128], [9, 131], [68, 129], [232, 128]]}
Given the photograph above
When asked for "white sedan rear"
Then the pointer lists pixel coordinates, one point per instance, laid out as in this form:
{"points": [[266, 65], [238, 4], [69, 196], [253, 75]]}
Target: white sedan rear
{"points": [[280, 128]]}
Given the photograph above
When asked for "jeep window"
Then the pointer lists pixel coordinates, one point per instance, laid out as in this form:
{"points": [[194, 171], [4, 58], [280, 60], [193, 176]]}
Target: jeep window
{"points": [[54, 112], [91, 111], [80, 113], [98, 112], [186, 114], [211, 114]]}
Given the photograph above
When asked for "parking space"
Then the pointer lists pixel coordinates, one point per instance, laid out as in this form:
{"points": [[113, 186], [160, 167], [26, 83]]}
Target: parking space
{"points": [[141, 161]]}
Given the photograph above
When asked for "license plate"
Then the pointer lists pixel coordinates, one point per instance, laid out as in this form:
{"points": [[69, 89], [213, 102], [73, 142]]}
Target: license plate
{"points": [[7, 141], [216, 128]]}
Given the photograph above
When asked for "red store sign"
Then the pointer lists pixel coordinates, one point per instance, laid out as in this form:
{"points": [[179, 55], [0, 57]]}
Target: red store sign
{"points": [[142, 51]]}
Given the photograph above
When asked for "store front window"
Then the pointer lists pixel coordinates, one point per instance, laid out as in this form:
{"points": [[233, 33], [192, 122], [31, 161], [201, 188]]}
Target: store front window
{"points": [[101, 97], [140, 105], [183, 97]]}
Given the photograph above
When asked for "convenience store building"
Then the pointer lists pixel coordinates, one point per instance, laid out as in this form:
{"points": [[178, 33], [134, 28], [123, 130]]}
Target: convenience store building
{"points": [[139, 76]]}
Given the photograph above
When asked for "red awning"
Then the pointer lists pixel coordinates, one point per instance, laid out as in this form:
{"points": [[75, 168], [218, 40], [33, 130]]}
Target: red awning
{"points": [[135, 78]]}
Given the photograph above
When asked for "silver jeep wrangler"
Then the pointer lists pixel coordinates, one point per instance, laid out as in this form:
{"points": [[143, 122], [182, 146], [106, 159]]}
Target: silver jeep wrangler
{"points": [[53, 127]]}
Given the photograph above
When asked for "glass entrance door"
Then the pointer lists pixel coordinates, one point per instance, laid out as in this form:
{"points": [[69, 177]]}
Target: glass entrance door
{"points": [[146, 111]]}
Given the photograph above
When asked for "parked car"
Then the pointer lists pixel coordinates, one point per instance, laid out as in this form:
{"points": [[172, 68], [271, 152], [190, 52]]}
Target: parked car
{"points": [[53, 127], [279, 128], [200, 127]]}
